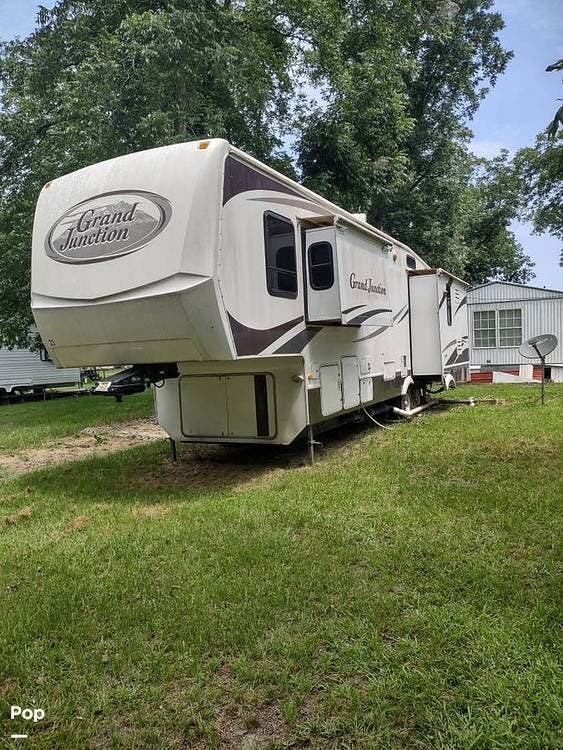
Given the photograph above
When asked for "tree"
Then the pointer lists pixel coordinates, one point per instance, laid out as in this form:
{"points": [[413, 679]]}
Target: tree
{"points": [[100, 78], [391, 137], [490, 204], [553, 126], [540, 171]]}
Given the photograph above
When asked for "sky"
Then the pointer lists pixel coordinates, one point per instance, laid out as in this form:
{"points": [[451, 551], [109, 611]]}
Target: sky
{"points": [[517, 108]]}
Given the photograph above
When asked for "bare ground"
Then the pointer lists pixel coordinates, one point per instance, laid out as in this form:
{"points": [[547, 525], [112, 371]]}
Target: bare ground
{"points": [[93, 441]]}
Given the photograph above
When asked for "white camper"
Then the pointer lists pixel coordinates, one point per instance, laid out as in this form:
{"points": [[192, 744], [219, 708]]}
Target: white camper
{"points": [[257, 307], [24, 371]]}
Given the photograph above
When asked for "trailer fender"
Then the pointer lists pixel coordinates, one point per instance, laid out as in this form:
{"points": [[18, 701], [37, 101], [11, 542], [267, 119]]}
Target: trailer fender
{"points": [[449, 381], [407, 382]]}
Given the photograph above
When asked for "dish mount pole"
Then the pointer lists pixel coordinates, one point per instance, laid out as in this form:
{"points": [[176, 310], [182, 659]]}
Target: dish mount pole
{"points": [[542, 360]]}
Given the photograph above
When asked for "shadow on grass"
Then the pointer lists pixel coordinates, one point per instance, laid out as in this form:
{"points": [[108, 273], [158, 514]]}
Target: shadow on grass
{"points": [[147, 473]]}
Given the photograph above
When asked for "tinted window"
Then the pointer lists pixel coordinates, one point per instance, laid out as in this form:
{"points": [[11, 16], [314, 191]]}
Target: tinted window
{"points": [[411, 262], [281, 264], [321, 267]]}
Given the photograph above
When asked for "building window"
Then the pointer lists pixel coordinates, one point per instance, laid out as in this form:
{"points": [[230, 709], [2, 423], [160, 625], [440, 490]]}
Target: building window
{"points": [[321, 266], [510, 327], [484, 329], [281, 263]]}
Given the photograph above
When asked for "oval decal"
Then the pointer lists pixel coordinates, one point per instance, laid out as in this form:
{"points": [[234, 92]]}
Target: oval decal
{"points": [[107, 226]]}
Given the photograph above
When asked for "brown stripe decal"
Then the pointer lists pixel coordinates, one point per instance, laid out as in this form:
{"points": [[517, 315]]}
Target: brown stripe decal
{"points": [[240, 178], [254, 340], [298, 342], [461, 304], [372, 335], [359, 319]]}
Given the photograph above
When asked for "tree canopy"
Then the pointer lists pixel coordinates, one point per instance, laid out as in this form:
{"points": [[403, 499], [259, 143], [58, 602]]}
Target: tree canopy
{"points": [[366, 101]]}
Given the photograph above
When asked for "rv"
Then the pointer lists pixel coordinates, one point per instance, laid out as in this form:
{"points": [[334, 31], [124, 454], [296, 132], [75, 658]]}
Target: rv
{"points": [[31, 371], [260, 310]]}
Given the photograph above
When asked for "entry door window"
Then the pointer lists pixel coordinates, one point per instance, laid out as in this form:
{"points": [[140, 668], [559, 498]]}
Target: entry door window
{"points": [[321, 266]]}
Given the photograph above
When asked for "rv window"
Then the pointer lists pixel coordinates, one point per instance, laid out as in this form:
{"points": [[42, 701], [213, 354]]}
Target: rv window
{"points": [[44, 354], [321, 266], [281, 264], [411, 262]]}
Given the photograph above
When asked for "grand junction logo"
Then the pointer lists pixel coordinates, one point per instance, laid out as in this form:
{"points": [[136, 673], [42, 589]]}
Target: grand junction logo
{"points": [[107, 226]]}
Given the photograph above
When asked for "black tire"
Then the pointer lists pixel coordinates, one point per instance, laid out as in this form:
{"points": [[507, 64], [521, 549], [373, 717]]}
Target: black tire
{"points": [[412, 398]]}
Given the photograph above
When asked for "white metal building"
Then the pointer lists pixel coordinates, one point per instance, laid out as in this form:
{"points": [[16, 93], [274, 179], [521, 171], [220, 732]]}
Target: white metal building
{"points": [[501, 316]]}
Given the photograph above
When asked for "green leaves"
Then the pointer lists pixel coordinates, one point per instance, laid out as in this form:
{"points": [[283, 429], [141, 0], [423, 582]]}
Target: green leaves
{"points": [[391, 139]]}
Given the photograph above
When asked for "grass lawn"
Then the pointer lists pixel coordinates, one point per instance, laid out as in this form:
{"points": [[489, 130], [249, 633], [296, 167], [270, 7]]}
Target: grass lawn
{"points": [[29, 425], [402, 593]]}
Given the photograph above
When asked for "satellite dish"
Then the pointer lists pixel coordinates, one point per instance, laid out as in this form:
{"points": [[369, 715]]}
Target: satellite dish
{"points": [[538, 347]]}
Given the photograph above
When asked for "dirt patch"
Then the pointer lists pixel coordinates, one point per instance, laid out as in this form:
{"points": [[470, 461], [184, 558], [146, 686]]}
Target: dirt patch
{"points": [[231, 467], [8, 685], [250, 728], [93, 441], [245, 725], [77, 524], [23, 514]]}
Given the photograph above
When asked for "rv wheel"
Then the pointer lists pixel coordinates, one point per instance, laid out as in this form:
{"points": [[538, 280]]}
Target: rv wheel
{"points": [[411, 399], [449, 382]]}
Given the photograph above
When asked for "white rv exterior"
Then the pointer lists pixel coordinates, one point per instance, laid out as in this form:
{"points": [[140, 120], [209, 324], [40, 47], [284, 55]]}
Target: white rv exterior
{"points": [[280, 309], [25, 370]]}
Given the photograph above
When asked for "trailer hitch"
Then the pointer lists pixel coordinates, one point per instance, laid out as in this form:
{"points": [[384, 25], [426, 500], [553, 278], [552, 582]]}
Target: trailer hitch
{"points": [[135, 379]]}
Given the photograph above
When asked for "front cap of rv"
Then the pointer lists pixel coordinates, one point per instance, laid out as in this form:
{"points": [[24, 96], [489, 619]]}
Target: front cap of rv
{"points": [[123, 259]]}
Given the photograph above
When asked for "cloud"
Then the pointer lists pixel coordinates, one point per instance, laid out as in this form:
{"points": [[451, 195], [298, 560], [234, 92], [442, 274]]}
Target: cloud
{"points": [[487, 148]]}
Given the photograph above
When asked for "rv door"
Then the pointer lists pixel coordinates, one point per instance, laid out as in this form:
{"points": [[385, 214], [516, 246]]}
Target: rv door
{"points": [[322, 301]]}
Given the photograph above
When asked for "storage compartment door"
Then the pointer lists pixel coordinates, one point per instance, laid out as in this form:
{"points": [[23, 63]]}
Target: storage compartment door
{"points": [[331, 391], [320, 262], [366, 389], [250, 406], [350, 382], [203, 406]]}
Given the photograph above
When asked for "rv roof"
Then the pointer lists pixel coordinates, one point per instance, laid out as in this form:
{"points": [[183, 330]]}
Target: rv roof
{"points": [[423, 271]]}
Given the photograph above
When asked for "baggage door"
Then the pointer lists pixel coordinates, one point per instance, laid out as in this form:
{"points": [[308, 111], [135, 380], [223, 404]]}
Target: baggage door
{"points": [[322, 301], [331, 389], [350, 382]]}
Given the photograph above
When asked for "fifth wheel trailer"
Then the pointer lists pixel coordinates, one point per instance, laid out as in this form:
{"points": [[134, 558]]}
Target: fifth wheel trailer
{"points": [[258, 308]]}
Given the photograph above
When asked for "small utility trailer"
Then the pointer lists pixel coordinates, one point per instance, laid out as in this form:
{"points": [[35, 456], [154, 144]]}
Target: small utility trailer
{"points": [[259, 310]]}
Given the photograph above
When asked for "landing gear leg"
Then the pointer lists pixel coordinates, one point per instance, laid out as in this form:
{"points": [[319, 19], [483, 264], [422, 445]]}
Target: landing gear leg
{"points": [[312, 443]]}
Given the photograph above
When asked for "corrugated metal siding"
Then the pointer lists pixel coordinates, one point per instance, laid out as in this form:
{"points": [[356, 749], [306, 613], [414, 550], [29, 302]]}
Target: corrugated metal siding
{"points": [[538, 316], [21, 367], [499, 291]]}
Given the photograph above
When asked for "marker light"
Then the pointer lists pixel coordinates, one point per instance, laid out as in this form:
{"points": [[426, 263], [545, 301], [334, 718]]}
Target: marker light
{"points": [[202, 145]]}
